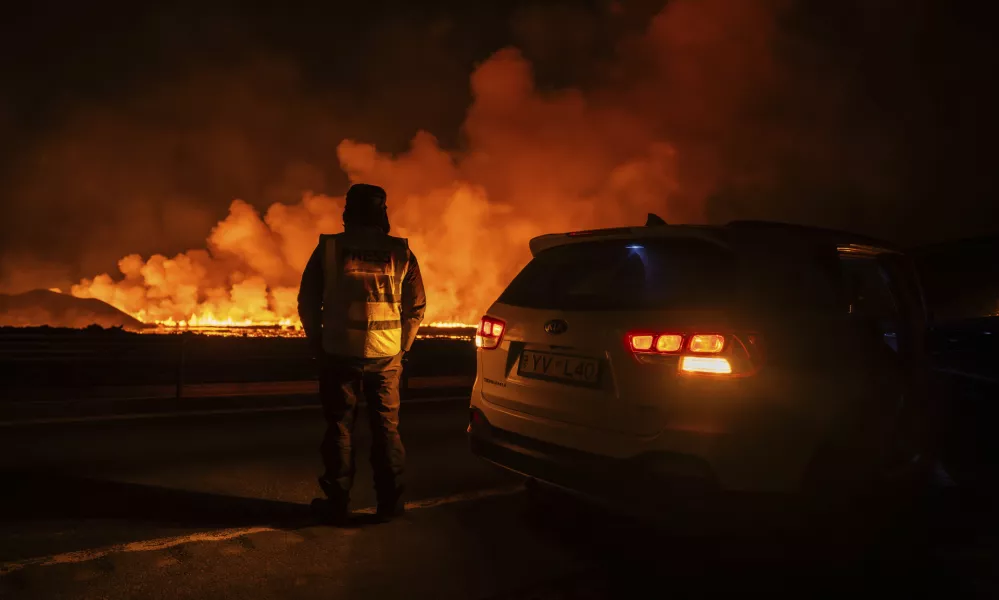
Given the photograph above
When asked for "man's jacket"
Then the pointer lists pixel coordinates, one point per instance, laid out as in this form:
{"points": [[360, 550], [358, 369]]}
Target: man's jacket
{"points": [[362, 294]]}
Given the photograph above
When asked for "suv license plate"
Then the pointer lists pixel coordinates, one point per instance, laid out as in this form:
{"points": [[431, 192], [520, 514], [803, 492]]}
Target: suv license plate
{"points": [[559, 367]]}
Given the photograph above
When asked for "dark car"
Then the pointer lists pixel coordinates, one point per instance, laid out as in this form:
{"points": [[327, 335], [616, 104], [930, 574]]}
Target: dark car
{"points": [[629, 363]]}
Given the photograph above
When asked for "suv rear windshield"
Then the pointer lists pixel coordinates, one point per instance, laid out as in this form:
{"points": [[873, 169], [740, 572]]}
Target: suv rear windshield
{"points": [[625, 275]]}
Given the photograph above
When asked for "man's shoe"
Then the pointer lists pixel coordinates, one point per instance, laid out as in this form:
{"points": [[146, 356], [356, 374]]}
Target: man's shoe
{"points": [[332, 513]]}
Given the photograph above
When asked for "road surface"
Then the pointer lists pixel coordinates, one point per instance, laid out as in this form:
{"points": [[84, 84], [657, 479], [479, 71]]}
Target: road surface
{"points": [[216, 506]]}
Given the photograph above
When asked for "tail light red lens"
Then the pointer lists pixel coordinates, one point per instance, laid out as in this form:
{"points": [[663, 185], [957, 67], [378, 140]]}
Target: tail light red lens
{"points": [[669, 343], [707, 344], [699, 353], [662, 343], [640, 342], [490, 333]]}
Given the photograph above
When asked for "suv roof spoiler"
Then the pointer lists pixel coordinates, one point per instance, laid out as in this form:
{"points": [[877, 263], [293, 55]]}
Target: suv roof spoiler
{"points": [[550, 240], [656, 230], [543, 242]]}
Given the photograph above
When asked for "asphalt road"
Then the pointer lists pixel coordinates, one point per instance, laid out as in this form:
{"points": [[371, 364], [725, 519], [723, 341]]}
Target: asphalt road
{"points": [[216, 506]]}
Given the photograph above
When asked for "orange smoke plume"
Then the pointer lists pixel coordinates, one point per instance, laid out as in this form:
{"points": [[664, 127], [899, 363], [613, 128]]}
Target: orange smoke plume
{"points": [[534, 162]]}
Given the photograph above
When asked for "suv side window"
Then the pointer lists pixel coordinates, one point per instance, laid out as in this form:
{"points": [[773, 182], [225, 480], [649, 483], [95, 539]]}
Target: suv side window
{"points": [[870, 297]]}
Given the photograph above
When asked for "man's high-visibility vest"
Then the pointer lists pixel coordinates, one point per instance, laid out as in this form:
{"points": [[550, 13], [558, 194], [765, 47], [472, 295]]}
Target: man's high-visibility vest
{"points": [[362, 299]]}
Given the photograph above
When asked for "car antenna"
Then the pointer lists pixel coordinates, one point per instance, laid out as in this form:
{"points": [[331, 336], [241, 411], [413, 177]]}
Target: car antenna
{"points": [[654, 220]]}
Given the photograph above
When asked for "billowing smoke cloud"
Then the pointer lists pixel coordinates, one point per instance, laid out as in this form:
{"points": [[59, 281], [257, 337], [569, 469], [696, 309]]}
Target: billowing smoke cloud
{"points": [[533, 162], [714, 110]]}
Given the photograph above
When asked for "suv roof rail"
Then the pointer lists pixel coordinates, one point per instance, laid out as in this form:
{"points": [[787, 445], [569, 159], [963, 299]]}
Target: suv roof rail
{"points": [[837, 235]]}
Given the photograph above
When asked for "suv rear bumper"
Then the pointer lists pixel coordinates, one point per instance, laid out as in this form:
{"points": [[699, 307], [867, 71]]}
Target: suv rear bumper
{"points": [[771, 457], [649, 476]]}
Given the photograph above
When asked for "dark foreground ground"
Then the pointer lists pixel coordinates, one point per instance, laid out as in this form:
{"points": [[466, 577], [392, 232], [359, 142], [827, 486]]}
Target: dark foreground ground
{"points": [[216, 506], [206, 495]]}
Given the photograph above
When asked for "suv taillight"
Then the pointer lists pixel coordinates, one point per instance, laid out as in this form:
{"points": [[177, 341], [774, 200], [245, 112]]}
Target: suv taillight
{"points": [[699, 353], [490, 333], [654, 343]]}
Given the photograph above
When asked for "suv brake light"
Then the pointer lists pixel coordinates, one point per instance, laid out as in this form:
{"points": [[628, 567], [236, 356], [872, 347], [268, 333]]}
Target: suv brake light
{"points": [[707, 344], [698, 353], [669, 342], [490, 333], [640, 342], [654, 343]]}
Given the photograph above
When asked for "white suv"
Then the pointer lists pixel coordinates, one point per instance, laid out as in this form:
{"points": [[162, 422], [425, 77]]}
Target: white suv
{"points": [[753, 357]]}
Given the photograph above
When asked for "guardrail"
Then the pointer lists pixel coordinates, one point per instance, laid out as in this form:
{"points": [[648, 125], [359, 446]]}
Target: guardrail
{"points": [[90, 364], [58, 406], [68, 376], [218, 390]]}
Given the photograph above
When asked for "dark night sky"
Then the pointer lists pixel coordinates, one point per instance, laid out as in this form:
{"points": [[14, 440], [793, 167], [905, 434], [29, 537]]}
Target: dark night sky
{"points": [[130, 127]]}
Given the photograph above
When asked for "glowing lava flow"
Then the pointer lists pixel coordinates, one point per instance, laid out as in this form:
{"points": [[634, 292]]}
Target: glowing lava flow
{"points": [[210, 321], [210, 325]]}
